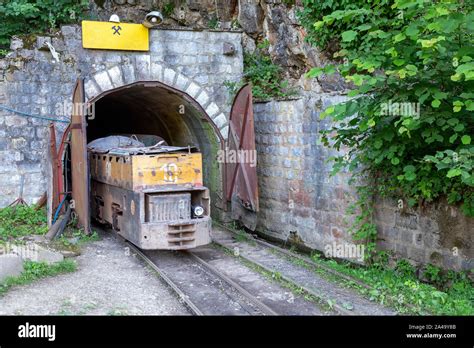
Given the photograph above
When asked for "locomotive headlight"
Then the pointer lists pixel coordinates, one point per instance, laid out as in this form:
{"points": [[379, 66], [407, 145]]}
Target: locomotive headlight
{"points": [[198, 211]]}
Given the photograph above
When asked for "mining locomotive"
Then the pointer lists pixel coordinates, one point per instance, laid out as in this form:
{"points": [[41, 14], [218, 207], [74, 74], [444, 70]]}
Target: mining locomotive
{"points": [[152, 196]]}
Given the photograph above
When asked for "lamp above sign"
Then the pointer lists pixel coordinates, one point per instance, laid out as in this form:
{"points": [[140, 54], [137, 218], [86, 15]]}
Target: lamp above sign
{"points": [[114, 36]]}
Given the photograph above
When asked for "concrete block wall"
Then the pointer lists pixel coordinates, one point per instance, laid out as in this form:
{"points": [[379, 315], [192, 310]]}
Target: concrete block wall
{"points": [[299, 200], [438, 234]]}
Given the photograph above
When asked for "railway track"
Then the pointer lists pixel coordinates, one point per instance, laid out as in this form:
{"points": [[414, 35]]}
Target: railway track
{"points": [[203, 288], [297, 256], [299, 270], [308, 263], [206, 287]]}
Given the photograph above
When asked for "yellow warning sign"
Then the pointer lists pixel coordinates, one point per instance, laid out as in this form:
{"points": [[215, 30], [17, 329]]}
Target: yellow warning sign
{"points": [[114, 36]]}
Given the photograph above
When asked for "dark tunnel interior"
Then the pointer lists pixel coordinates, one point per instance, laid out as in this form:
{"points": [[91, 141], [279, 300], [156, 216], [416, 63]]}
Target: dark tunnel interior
{"points": [[155, 110]]}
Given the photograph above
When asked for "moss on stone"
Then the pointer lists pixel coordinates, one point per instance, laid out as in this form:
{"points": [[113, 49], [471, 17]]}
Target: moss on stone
{"points": [[100, 3], [213, 179], [29, 41]]}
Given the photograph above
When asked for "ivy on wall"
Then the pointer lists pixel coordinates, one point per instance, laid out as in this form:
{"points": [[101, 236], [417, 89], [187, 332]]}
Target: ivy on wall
{"points": [[409, 120], [266, 77]]}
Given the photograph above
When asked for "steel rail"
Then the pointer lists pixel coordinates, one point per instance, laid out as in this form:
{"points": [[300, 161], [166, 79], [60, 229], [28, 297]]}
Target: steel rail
{"points": [[299, 257], [194, 309], [308, 261], [260, 305], [339, 309]]}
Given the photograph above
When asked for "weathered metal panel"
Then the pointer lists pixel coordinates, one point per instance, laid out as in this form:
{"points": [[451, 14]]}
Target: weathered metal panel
{"points": [[79, 164], [125, 211], [241, 174], [112, 170], [114, 36], [167, 169], [167, 207], [62, 162], [107, 200], [55, 167], [141, 172], [186, 234]]}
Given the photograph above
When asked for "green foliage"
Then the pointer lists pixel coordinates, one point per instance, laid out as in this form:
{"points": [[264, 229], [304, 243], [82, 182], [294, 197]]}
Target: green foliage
{"points": [[405, 269], [326, 37], [37, 270], [409, 122], [363, 228], [213, 23], [168, 9], [289, 3], [233, 87], [78, 236], [443, 280], [265, 76], [433, 274], [235, 24], [36, 16], [451, 293], [380, 260], [21, 221]]}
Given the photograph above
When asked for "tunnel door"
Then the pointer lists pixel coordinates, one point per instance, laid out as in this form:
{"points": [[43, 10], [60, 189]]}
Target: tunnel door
{"points": [[79, 164], [241, 170]]}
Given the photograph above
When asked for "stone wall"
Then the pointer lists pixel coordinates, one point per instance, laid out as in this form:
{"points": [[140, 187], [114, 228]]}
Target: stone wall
{"points": [[32, 82], [21, 154], [438, 234], [301, 203]]}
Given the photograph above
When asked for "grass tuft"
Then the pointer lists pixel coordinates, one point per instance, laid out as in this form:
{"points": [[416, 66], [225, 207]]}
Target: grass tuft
{"points": [[20, 221], [37, 270]]}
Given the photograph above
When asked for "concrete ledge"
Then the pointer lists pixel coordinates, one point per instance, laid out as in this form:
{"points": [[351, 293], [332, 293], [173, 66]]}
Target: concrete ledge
{"points": [[11, 265]]}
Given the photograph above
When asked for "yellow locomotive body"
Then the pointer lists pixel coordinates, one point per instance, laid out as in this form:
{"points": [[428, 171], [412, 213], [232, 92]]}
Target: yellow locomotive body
{"points": [[155, 199]]}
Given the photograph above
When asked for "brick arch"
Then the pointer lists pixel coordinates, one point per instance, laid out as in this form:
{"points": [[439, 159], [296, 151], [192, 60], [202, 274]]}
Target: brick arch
{"points": [[122, 75]]}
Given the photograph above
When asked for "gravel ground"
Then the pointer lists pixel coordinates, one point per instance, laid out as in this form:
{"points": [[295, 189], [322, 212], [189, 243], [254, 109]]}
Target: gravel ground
{"points": [[109, 281]]}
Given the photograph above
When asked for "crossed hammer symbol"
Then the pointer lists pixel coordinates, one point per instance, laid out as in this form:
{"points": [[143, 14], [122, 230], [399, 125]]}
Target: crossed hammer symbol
{"points": [[116, 29]]}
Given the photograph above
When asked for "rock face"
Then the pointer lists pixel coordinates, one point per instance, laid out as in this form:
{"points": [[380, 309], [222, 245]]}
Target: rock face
{"points": [[251, 17], [260, 20], [192, 13], [285, 36], [11, 265]]}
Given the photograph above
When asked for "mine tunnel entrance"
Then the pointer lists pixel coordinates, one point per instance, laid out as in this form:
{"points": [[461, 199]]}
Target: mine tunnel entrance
{"points": [[149, 111], [152, 108], [162, 112]]}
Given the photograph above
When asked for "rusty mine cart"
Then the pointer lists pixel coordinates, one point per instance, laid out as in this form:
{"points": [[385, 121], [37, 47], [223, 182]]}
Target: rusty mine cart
{"points": [[152, 196]]}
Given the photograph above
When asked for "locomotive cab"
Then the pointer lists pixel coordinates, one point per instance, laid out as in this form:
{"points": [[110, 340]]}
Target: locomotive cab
{"points": [[151, 195]]}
